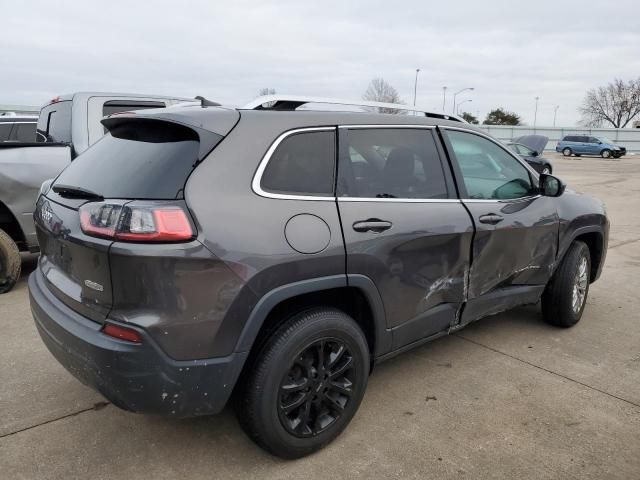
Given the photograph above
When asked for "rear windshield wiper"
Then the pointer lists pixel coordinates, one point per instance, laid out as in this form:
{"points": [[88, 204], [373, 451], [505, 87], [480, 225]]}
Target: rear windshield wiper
{"points": [[68, 191]]}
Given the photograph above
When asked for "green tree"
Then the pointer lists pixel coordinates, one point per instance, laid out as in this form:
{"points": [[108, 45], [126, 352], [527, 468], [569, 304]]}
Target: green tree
{"points": [[467, 117], [500, 116]]}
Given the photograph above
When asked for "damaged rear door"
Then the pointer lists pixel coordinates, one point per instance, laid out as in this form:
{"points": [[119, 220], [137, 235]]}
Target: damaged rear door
{"points": [[516, 239], [403, 226]]}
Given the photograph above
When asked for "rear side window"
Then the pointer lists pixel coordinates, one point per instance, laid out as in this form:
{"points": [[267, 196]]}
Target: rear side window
{"points": [[391, 163], [25, 132], [117, 106], [302, 164], [54, 123], [141, 159], [5, 131]]}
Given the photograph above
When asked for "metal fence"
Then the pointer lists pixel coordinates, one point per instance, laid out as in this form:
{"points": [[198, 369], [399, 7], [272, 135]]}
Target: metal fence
{"points": [[626, 137]]}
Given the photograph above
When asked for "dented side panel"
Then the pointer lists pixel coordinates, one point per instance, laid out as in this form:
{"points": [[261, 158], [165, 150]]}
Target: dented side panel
{"points": [[419, 264], [519, 250]]}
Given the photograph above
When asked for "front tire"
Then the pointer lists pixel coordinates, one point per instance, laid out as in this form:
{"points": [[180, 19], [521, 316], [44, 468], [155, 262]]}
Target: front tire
{"points": [[10, 262], [546, 170], [566, 152], [306, 383], [605, 153], [565, 296]]}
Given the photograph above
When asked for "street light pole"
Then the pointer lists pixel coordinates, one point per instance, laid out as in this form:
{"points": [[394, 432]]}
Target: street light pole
{"points": [[461, 103], [444, 98], [415, 87], [535, 115], [555, 112], [456, 94]]}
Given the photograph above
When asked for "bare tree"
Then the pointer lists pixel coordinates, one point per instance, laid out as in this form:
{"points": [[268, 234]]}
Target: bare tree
{"points": [[381, 91], [266, 91], [616, 104]]}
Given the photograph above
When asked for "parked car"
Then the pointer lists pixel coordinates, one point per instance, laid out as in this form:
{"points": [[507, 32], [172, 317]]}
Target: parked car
{"points": [[17, 128], [280, 254], [530, 147], [579, 145], [66, 127]]}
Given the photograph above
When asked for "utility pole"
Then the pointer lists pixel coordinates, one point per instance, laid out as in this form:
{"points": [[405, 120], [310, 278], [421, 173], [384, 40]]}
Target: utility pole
{"points": [[535, 115], [415, 87], [555, 112]]}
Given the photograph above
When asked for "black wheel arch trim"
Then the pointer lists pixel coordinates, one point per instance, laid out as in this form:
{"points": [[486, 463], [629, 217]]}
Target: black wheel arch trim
{"points": [[569, 238], [284, 292]]}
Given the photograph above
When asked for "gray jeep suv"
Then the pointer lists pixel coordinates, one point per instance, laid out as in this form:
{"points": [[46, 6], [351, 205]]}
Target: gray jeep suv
{"points": [[273, 256]]}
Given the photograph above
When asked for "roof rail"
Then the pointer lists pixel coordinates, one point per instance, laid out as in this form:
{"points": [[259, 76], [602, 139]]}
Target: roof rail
{"points": [[292, 102]]}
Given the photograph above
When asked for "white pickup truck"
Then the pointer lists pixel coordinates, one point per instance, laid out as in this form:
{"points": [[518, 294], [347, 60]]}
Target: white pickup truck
{"points": [[67, 126]]}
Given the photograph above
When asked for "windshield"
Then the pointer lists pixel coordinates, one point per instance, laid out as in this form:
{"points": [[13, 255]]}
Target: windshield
{"points": [[606, 140]]}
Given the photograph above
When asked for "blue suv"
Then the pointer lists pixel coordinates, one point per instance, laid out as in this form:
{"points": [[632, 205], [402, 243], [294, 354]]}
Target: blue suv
{"points": [[579, 145]]}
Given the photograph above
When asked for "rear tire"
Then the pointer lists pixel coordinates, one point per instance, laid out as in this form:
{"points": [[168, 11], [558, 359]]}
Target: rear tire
{"points": [[10, 262], [605, 153], [565, 296], [306, 383], [566, 152]]}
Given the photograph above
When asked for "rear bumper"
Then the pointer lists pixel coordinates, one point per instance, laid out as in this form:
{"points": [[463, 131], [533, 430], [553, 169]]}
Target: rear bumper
{"points": [[139, 378]]}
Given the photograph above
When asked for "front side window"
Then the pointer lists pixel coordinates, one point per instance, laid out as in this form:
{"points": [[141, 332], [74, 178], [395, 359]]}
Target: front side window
{"points": [[302, 164], [488, 171], [526, 151], [391, 163]]}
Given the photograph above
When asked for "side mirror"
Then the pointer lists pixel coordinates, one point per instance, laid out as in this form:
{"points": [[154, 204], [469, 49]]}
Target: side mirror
{"points": [[551, 186], [534, 153], [599, 142]]}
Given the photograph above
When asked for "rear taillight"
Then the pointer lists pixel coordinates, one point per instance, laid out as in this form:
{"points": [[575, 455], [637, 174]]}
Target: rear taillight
{"points": [[131, 223], [122, 333]]}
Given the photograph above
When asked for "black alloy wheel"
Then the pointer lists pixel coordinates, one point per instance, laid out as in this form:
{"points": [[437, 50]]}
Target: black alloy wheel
{"points": [[317, 388]]}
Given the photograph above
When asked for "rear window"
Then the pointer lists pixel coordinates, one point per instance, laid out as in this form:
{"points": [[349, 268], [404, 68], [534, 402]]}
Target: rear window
{"points": [[141, 159], [25, 132], [117, 106], [54, 123]]}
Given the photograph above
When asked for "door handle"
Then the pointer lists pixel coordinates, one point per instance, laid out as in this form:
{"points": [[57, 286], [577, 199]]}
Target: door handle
{"points": [[491, 218], [372, 225]]}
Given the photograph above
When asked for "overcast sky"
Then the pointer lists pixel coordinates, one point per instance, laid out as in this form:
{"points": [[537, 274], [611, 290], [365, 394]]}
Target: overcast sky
{"points": [[510, 51]]}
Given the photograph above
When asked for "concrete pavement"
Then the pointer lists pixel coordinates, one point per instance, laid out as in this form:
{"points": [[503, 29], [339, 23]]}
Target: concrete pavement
{"points": [[508, 397]]}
